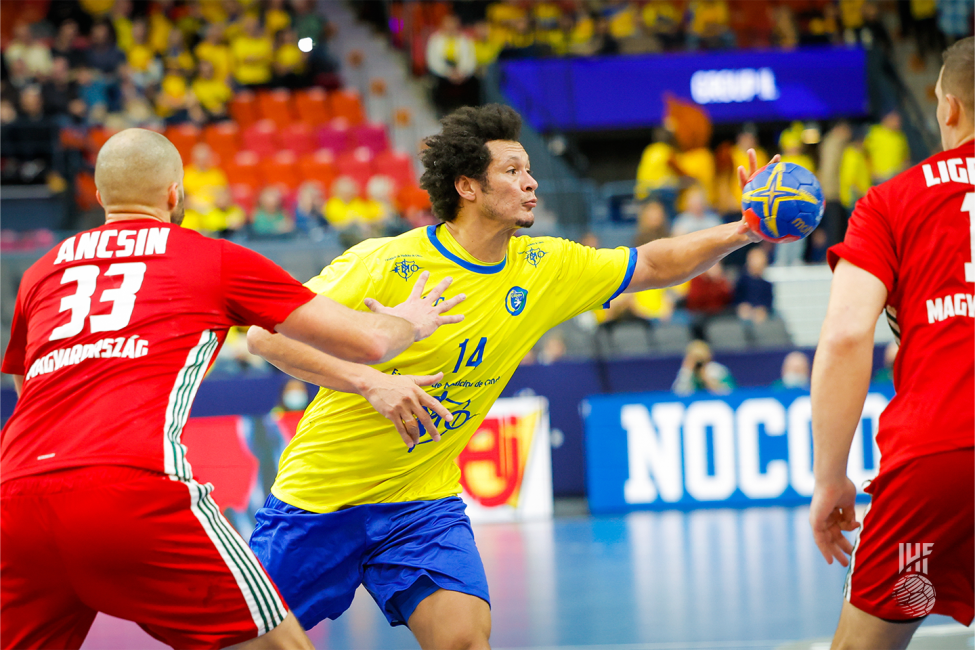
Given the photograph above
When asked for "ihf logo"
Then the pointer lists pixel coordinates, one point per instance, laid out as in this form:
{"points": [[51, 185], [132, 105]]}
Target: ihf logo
{"points": [[913, 591]]}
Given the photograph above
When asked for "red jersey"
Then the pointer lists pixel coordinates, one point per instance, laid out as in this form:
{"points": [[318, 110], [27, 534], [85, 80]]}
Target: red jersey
{"points": [[915, 234], [114, 330]]}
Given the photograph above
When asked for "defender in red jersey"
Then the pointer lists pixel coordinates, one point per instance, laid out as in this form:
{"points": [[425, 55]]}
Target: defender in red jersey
{"points": [[910, 251], [112, 334]]}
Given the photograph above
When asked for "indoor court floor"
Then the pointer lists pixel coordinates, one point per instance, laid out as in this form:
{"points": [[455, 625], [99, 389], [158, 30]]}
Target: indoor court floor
{"points": [[722, 579]]}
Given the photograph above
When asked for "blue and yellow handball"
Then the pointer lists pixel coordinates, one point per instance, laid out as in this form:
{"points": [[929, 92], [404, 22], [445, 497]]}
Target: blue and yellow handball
{"points": [[782, 202]]}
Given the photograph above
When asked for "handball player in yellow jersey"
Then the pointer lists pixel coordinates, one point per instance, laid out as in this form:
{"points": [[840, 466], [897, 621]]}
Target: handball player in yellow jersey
{"points": [[351, 504]]}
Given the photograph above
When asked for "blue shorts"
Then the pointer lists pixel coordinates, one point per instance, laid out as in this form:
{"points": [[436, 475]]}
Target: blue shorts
{"points": [[401, 552]]}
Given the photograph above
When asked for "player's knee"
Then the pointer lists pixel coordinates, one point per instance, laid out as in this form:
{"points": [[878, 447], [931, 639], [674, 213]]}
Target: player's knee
{"points": [[286, 636], [466, 640]]}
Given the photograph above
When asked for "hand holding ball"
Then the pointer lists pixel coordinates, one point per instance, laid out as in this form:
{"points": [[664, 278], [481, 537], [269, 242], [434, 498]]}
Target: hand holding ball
{"points": [[782, 202]]}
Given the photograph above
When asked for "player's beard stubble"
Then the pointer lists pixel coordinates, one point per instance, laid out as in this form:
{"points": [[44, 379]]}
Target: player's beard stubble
{"points": [[176, 216]]}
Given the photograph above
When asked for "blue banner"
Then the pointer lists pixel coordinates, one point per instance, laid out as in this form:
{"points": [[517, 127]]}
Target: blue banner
{"points": [[624, 92], [754, 447]]}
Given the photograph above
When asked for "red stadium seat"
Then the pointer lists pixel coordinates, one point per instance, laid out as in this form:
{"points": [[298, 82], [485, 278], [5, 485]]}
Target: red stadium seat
{"points": [[372, 136], [184, 137], [223, 138], [396, 165], [275, 105], [346, 104], [243, 169], [281, 169], [357, 164], [311, 105], [243, 108], [334, 138], [412, 198], [97, 137], [262, 138], [298, 138], [319, 166]]}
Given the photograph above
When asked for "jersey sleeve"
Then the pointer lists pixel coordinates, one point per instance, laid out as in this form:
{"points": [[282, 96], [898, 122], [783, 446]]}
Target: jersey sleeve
{"points": [[590, 277], [346, 280], [256, 290], [869, 242], [14, 355]]}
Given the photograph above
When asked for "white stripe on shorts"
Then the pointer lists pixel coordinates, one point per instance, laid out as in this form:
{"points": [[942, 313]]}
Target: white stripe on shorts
{"points": [[266, 607], [847, 584]]}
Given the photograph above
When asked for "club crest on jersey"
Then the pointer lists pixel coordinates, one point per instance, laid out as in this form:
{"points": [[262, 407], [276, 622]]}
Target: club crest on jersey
{"points": [[405, 268], [515, 301], [534, 255]]}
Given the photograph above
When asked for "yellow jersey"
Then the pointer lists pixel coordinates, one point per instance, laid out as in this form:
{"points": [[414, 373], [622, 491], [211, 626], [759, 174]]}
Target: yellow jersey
{"points": [[344, 452]]}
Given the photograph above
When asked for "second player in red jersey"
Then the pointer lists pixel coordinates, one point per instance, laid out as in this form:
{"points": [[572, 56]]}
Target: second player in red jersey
{"points": [[909, 251]]}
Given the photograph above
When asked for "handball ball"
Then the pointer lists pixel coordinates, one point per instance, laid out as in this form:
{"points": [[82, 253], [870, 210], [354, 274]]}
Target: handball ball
{"points": [[782, 202]]}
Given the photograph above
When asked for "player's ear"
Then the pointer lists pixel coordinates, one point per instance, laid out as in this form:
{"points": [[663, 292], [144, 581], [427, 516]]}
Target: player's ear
{"points": [[954, 110], [98, 197], [466, 188], [172, 196]]}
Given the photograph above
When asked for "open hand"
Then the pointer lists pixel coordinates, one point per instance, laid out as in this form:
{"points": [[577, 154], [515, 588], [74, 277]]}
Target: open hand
{"points": [[743, 178], [423, 312], [400, 399], [831, 513]]}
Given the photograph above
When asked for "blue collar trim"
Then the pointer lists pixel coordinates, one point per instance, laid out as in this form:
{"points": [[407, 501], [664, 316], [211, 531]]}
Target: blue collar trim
{"points": [[486, 269]]}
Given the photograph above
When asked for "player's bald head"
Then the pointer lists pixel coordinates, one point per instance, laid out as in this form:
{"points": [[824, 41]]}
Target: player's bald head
{"points": [[136, 167]]}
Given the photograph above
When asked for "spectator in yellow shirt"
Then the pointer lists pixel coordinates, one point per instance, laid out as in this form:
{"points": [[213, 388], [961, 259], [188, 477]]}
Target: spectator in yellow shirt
{"points": [[177, 55], [502, 17], [120, 15], [658, 173], [253, 54], [709, 25], [887, 149], [159, 28], [172, 101], [225, 216], [215, 50], [202, 180], [486, 49], [622, 19], [346, 209], [793, 149], [289, 61], [662, 20], [211, 93], [854, 172], [276, 18], [146, 69]]}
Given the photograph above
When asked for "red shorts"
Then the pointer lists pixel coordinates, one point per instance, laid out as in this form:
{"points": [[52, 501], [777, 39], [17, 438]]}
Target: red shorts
{"points": [[915, 555], [132, 544]]}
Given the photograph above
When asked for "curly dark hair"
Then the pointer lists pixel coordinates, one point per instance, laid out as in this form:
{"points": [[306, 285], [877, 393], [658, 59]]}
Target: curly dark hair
{"points": [[460, 149]]}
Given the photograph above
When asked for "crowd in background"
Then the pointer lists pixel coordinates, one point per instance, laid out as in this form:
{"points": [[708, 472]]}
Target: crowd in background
{"points": [[112, 64], [121, 63], [106, 65]]}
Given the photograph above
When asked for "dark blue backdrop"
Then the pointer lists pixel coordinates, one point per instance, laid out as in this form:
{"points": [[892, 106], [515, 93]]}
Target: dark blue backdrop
{"points": [[566, 384], [623, 92]]}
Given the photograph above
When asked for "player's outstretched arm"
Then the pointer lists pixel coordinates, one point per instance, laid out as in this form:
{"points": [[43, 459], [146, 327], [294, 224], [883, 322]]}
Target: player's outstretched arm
{"points": [[335, 329], [840, 381], [668, 262], [357, 336]]}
